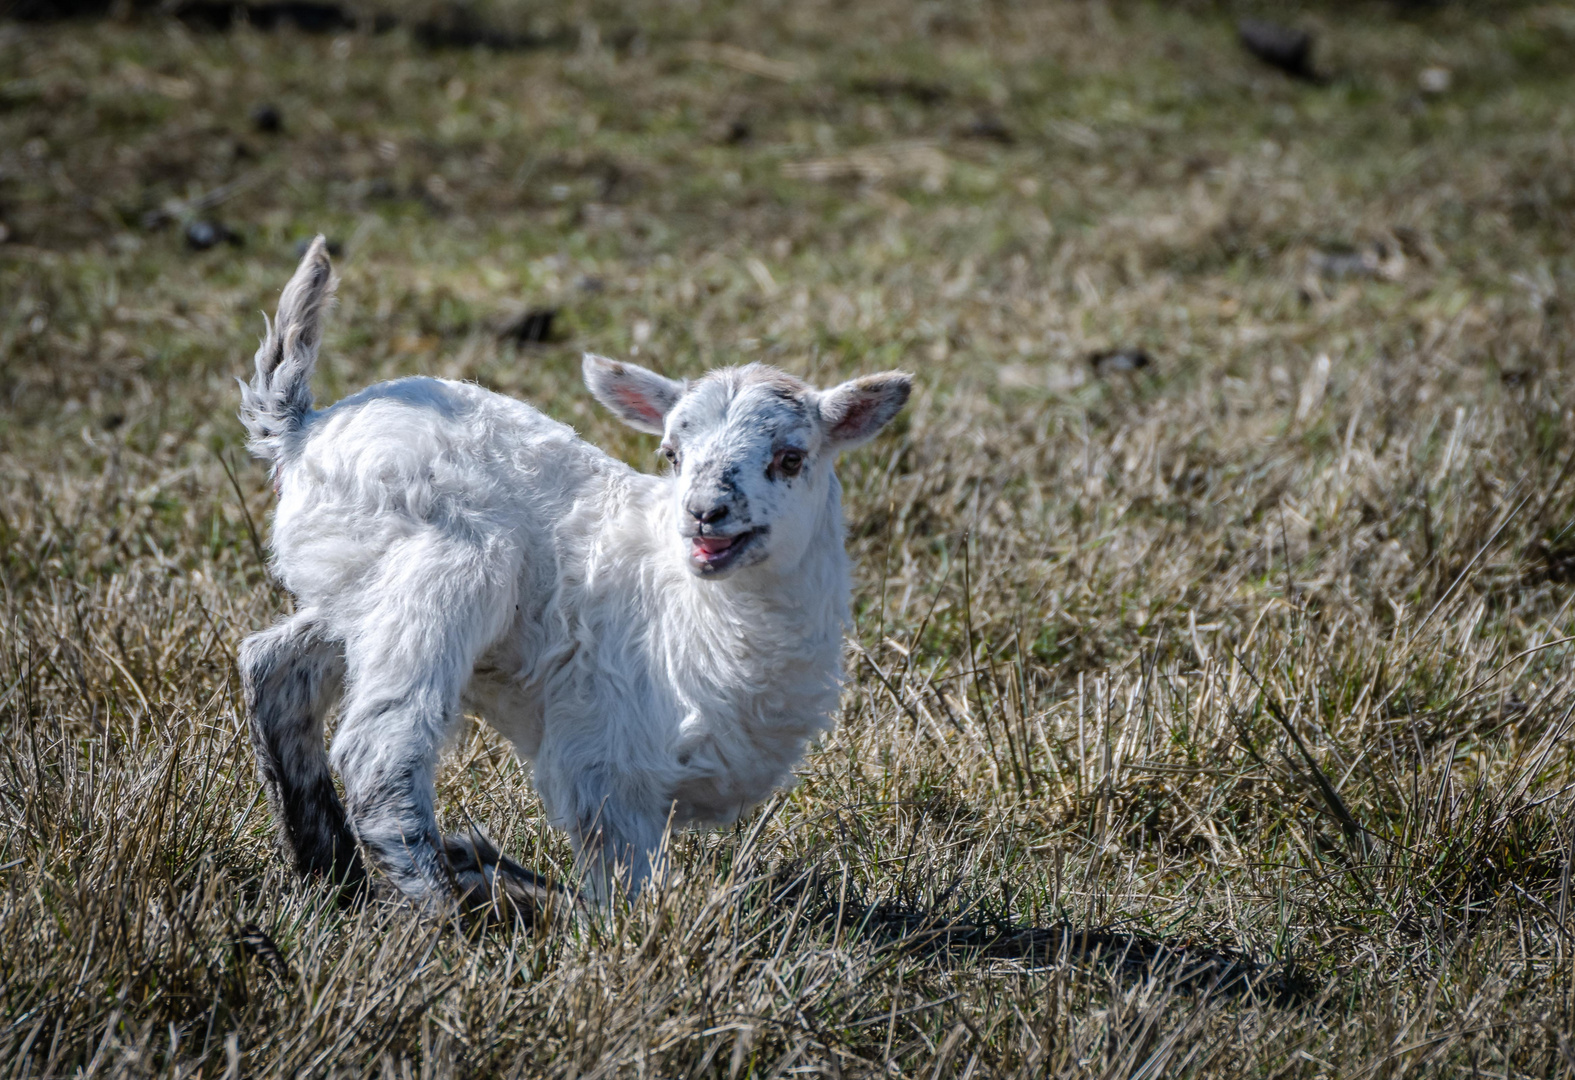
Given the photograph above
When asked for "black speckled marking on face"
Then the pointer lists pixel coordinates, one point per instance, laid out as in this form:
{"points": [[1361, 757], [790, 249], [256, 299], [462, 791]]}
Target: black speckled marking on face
{"points": [[757, 401], [735, 494], [790, 397], [718, 482], [777, 411], [783, 423]]}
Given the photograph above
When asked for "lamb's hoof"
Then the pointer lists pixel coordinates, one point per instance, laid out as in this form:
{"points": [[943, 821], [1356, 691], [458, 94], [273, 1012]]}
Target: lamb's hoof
{"points": [[492, 884]]}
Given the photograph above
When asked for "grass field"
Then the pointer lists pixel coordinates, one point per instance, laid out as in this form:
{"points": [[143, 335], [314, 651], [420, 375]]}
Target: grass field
{"points": [[1207, 719]]}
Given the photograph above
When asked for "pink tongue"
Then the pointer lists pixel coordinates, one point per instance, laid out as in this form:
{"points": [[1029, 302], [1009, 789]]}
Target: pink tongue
{"points": [[713, 544]]}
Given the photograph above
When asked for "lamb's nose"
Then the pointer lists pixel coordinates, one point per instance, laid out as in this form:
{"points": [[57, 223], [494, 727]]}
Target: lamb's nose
{"points": [[707, 515]]}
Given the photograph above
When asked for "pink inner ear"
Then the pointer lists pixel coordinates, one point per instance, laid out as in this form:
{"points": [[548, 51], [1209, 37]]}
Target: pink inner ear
{"points": [[855, 417], [633, 401]]}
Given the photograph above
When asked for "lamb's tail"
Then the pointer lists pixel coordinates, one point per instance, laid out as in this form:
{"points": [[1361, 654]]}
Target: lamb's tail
{"points": [[280, 394]]}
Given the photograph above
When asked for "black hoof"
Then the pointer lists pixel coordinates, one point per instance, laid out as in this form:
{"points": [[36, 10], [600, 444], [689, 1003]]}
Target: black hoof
{"points": [[488, 879]]}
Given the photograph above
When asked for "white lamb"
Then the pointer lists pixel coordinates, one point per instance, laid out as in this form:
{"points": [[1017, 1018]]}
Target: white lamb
{"points": [[660, 648]]}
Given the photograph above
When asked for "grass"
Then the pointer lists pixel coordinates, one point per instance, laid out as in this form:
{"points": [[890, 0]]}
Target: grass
{"points": [[1210, 720]]}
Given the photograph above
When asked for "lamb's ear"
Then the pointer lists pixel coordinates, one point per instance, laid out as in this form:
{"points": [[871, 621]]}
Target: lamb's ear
{"points": [[856, 410], [640, 398]]}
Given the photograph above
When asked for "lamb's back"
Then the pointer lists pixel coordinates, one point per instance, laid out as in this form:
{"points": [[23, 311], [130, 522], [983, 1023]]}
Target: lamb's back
{"points": [[426, 460]]}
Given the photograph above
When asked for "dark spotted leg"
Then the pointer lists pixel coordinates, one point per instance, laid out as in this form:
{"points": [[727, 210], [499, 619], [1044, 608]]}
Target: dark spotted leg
{"points": [[386, 751], [290, 677], [440, 602], [391, 733]]}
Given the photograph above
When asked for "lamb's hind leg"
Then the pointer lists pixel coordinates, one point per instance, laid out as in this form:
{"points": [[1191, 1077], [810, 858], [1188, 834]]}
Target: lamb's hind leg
{"points": [[290, 676], [408, 663], [392, 729]]}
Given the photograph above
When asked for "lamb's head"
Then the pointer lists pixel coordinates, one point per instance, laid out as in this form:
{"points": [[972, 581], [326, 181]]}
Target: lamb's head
{"points": [[751, 449]]}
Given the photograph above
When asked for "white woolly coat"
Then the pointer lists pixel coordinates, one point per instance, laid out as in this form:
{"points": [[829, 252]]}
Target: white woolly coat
{"points": [[426, 517]]}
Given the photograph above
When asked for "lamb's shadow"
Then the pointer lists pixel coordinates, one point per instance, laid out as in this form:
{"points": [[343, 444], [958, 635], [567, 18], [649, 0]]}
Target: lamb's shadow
{"points": [[953, 934], [948, 932]]}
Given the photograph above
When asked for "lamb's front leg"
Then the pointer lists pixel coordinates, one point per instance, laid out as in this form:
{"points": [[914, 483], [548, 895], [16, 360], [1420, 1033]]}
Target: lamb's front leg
{"points": [[617, 825]]}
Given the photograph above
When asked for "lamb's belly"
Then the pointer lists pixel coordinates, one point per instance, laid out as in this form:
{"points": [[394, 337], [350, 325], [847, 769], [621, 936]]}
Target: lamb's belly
{"points": [[510, 707]]}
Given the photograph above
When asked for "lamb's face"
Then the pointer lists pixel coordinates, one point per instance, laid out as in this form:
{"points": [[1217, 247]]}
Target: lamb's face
{"points": [[750, 471], [751, 450]]}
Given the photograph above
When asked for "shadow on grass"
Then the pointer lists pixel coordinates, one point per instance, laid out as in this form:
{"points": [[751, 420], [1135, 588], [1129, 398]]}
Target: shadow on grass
{"points": [[965, 933]]}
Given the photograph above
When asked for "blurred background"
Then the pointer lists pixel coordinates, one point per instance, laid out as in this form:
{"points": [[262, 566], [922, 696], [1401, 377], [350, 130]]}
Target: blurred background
{"points": [[993, 191]]}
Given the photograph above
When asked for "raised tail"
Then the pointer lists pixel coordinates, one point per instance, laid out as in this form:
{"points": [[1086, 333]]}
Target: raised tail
{"points": [[279, 396]]}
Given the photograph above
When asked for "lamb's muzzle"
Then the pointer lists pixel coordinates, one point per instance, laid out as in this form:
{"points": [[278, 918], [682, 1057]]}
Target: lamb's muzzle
{"points": [[660, 648]]}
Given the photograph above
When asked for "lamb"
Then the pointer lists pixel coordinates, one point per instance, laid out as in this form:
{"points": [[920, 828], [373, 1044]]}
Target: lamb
{"points": [[659, 647]]}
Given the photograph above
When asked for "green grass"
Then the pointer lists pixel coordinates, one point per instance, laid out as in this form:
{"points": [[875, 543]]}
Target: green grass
{"points": [[1242, 679]]}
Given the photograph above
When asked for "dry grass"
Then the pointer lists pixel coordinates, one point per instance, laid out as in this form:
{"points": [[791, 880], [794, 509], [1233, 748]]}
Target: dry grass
{"points": [[1208, 720]]}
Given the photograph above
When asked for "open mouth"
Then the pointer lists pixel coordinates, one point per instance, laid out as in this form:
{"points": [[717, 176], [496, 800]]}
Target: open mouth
{"points": [[712, 554]]}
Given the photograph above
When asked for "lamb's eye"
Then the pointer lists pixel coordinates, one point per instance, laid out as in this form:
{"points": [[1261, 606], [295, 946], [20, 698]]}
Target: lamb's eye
{"points": [[671, 455], [790, 462]]}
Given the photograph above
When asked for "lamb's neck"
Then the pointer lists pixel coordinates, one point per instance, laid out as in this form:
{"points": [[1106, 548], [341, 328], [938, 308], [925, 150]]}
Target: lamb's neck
{"points": [[761, 630]]}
